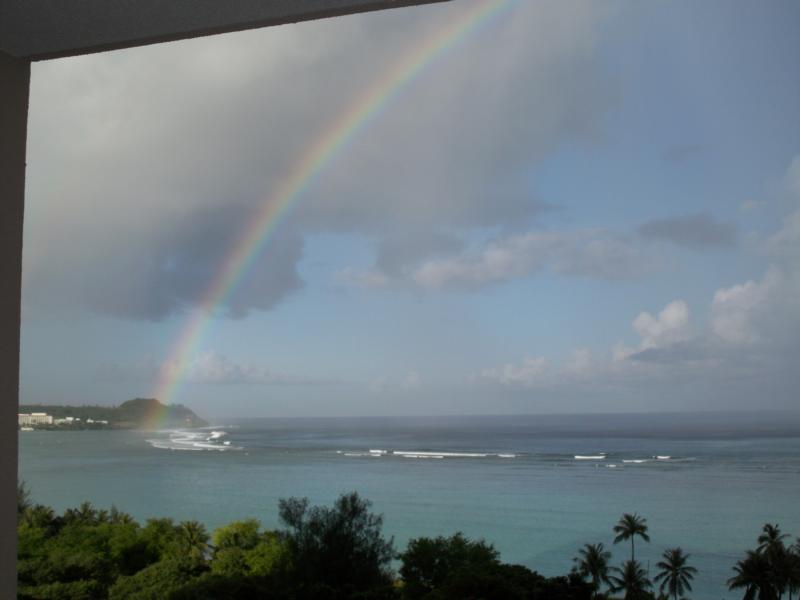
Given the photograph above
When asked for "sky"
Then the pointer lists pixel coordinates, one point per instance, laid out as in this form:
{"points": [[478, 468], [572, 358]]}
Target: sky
{"points": [[578, 207]]}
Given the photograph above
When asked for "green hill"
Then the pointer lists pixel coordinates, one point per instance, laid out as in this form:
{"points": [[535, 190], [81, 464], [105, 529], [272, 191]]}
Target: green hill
{"points": [[133, 414]]}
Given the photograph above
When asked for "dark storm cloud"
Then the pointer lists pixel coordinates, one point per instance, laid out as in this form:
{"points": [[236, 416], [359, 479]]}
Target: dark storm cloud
{"points": [[170, 270], [699, 230], [144, 165]]}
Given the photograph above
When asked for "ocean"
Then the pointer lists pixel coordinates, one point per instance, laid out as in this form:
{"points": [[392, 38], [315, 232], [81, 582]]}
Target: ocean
{"points": [[706, 482]]}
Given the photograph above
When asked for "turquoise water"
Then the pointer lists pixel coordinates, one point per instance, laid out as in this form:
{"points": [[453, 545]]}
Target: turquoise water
{"points": [[726, 476]]}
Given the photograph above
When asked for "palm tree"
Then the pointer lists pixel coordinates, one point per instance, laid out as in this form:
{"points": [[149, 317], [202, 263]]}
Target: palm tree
{"points": [[117, 517], [771, 537], [39, 516], [754, 574], [85, 514], [592, 562], [793, 579], [675, 574], [779, 557], [629, 526], [193, 540], [631, 578]]}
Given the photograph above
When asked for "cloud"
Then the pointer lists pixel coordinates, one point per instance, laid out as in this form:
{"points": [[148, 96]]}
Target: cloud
{"points": [[209, 368], [369, 278], [145, 166], [446, 261], [154, 274], [736, 310], [592, 254], [665, 330], [696, 231], [749, 345], [533, 370], [784, 245], [398, 255], [670, 326]]}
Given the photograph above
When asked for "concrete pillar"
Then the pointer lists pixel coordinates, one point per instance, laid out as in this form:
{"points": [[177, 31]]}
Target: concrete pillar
{"points": [[14, 82]]}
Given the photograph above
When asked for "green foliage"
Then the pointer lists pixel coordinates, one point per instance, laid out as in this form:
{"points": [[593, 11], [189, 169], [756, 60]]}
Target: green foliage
{"points": [[428, 562], [267, 555], [458, 568], [239, 534], [39, 517], [161, 538], [156, 581], [209, 586], [334, 553], [192, 541], [270, 555], [341, 547], [74, 590]]}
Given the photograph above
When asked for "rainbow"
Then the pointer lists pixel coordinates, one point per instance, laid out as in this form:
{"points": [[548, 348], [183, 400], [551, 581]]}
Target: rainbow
{"points": [[156, 416], [333, 140]]}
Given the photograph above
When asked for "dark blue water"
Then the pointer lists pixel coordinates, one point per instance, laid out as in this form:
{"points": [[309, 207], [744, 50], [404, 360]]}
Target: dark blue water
{"points": [[511, 480]]}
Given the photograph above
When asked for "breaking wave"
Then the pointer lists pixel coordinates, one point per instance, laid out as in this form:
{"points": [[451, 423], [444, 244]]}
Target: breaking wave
{"points": [[424, 454], [197, 441]]}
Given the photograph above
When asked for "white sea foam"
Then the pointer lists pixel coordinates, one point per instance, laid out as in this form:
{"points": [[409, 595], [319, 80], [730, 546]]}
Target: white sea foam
{"points": [[167, 445], [180, 439], [662, 457], [601, 456], [636, 461], [426, 455], [378, 453], [421, 453]]}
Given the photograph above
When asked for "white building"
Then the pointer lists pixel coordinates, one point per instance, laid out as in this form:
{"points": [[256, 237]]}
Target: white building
{"points": [[28, 419]]}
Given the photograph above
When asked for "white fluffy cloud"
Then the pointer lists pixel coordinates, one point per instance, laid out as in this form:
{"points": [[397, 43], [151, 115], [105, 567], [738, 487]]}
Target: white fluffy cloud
{"points": [[735, 311], [669, 326]]}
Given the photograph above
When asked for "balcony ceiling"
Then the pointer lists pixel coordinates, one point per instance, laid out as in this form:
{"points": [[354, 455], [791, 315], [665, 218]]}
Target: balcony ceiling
{"points": [[39, 29]]}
